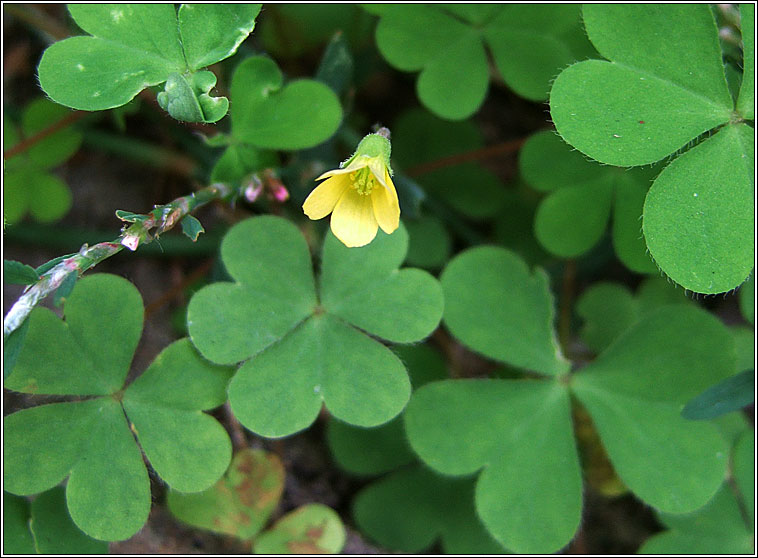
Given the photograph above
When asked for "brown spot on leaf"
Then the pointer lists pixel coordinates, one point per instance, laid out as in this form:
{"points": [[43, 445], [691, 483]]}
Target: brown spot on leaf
{"points": [[245, 492], [245, 465], [314, 532]]}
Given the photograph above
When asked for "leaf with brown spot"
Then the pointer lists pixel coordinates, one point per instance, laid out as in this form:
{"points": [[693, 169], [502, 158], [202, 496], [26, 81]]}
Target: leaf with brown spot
{"points": [[310, 529], [241, 502]]}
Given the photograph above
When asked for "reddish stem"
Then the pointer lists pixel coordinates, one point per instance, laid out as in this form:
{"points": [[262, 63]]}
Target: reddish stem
{"points": [[25, 144]]}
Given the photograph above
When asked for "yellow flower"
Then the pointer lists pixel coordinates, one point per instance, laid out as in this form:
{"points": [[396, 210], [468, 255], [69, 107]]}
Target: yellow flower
{"points": [[360, 194]]}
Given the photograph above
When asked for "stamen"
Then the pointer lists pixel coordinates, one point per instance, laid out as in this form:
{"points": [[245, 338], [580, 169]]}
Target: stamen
{"points": [[363, 181]]}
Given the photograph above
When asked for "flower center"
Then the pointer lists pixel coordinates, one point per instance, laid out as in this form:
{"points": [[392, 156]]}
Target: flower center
{"points": [[363, 181]]}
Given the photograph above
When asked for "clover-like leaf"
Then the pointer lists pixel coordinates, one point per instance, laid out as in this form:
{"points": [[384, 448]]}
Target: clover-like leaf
{"points": [[300, 353], [608, 309], [97, 340], [45, 196], [409, 509], [641, 106], [241, 502], [635, 391], [92, 441], [520, 434], [497, 307], [28, 187], [55, 148], [275, 291], [699, 213], [310, 529], [271, 115], [643, 103], [133, 46], [529, 45], [582, 195]]}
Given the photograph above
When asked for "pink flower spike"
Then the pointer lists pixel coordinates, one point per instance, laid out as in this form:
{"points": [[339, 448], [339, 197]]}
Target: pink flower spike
{"points": [[280, 192], [253, 189]]}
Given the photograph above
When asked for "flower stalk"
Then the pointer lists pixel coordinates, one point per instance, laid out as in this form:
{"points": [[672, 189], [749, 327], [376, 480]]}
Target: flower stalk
{"points": [[143, 229]]}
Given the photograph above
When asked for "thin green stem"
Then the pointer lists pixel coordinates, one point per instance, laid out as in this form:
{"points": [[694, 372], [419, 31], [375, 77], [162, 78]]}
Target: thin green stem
{"points": [[567, 296]]}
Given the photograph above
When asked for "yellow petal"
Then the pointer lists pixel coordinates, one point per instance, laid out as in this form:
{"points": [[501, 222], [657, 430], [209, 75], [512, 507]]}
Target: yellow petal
{"points": [[353, 220], [358, 163], [379, 170], [386, 206], [325, 196], [334, 172]]}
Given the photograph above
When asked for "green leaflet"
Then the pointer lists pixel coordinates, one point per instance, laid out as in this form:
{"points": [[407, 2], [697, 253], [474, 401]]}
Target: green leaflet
{"points": [[529, 45], [699, 214], [520, 434], [430, 243], [310, 529], [500, 309], [133, 46], [241, 502], [582, 195], [272, 319], [92, 441], [268, 115], [646, 103]]}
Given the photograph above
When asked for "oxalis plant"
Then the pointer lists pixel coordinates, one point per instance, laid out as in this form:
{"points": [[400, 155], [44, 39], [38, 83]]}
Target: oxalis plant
{"points": [[495, 325]]}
